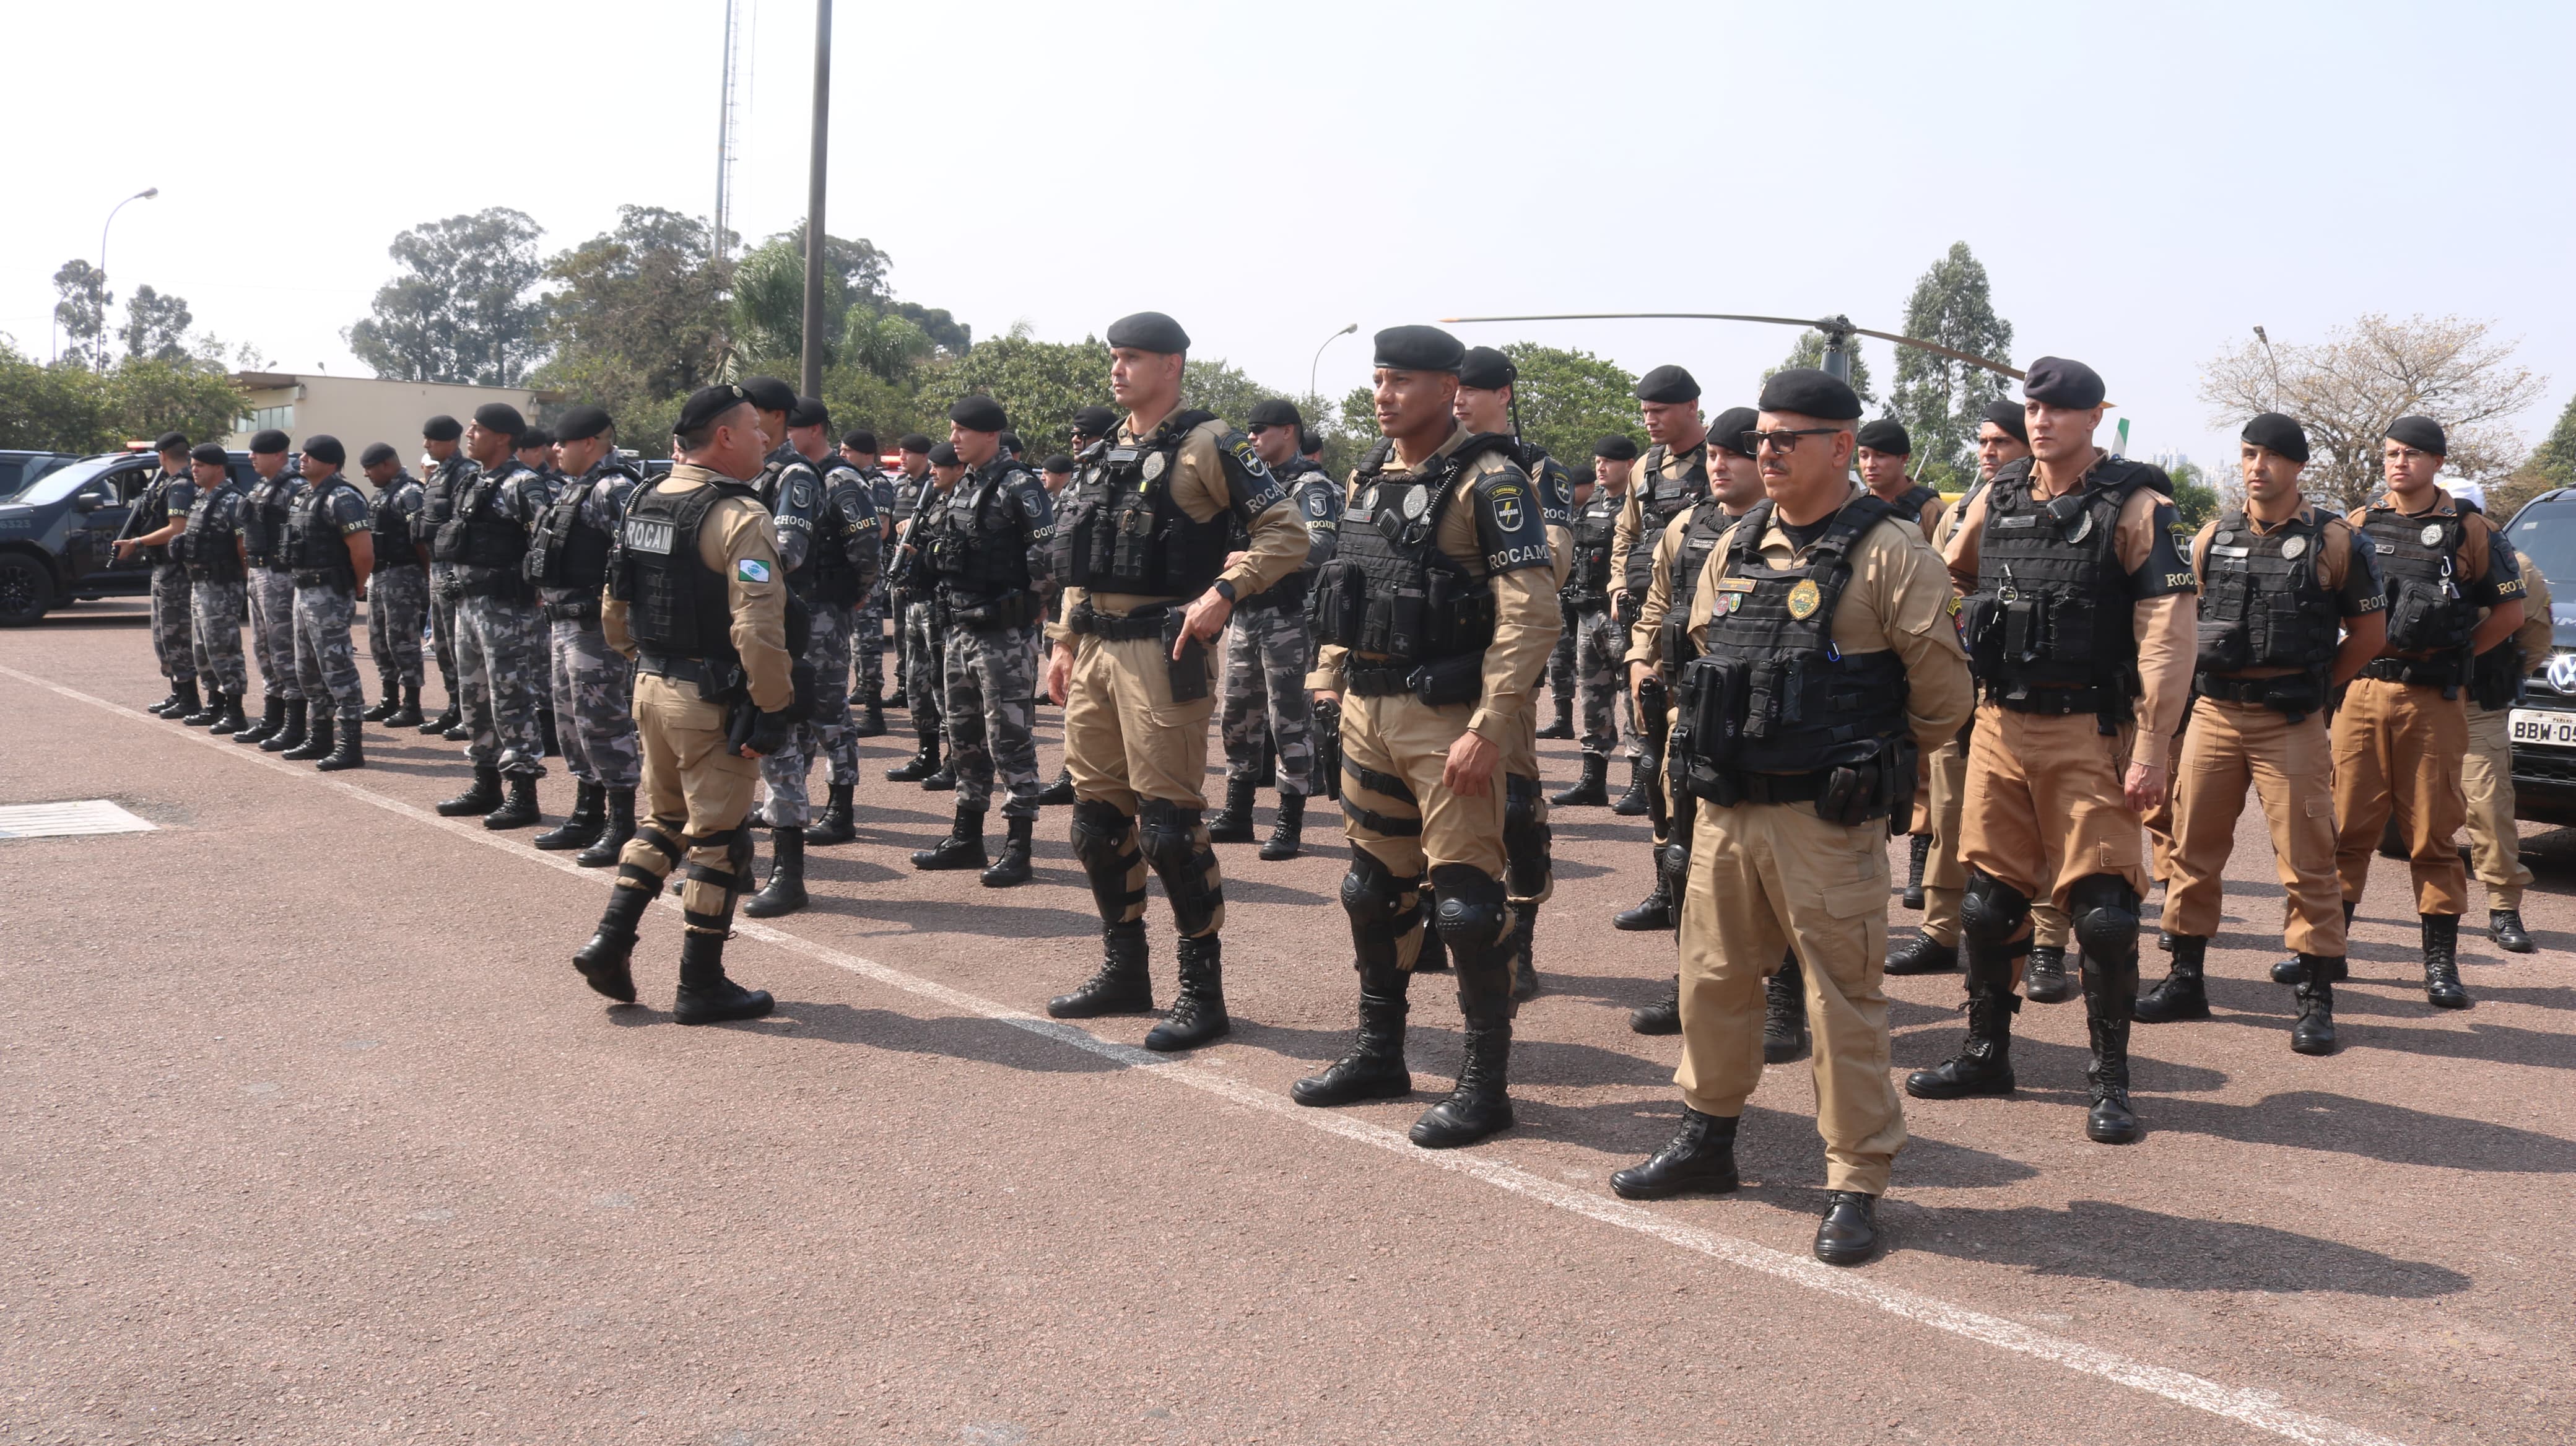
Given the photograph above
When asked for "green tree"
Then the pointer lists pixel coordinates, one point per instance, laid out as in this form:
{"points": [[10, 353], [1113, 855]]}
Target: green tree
{"points": [[1569, 400], [1040, 385], [1941, 400], [2194, 495], [769, 299], [1809, 351], [458, 308], [636, 321], [67, 407], [82, 311], [1211, 384], [2555, 458], [156, 326]]}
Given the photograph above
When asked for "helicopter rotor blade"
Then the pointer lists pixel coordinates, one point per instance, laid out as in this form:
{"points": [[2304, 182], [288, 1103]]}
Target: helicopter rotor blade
{"points": [[1828, 326]]}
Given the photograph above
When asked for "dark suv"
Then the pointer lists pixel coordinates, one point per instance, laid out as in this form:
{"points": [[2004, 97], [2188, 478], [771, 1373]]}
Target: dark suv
{"points": [[2544, 717], [57, 531]]}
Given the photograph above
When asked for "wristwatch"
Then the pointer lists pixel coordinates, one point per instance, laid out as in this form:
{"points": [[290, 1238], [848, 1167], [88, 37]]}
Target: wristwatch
{"points": [[1224, 590]]}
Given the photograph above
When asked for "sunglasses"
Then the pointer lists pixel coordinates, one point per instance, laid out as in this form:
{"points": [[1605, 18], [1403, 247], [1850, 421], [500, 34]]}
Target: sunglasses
{"points": [[1783, 442]]}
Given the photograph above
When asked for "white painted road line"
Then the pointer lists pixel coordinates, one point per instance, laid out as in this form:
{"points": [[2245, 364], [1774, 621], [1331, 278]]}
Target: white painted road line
{"points": [[2260, 1409]]}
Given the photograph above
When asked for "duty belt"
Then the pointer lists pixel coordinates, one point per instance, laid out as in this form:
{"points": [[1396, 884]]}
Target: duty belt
{"points": [[2443, 672], [1145, 622], [1779, 787], [574, 610], [678, 670], [2051, 701], [308, 578], [2282, 690], [1369, 680]]}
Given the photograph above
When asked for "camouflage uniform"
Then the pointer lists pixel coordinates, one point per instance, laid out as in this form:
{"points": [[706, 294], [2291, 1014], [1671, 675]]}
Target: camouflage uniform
{"points": [[398, 593], [271, 587], [438, 504], [1601, 644], [1268, 650], [868, 620], [500, 633], [917, 647], [989, 613], [326, 662], [592, 684], [792, 489], [168, 497], [217, 588]]}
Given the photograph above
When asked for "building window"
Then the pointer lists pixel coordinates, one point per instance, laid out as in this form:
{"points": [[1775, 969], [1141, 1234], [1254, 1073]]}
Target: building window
{"points": [[263, 418]]}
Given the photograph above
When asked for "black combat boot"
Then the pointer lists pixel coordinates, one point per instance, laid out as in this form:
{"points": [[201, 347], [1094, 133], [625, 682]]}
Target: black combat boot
{"points": [[1700, 1156], [461, 733], [924, 761], [1848, 1235], [605, 961], [1013, 866], [1784, 1013], [1058, 794], [317, 740], [1520, 946], [2314, 1033], [1480, 1105], [1121, 986], [1198, 1014], [1641, 781], [205, 712], [483, 797], [272, 716], [871, 720], [1288, 833], [1563, 727], [2442, 962], [519, 810], [183, 701], [837, 827], [2181, 995], [1983, 1065], [1233, 823], [407, 715], [1592, 789], [1664, 1016], [384, 710], [347, 751], [453, 717], [942, 779], [1654, 915], [167, 700], [706, 996], [2110, 998], [1922, 954], [614, 831], [2289, 971], [1917, 853], [2504, 926], [1373, 1067], [580, 829], [289, 736], [962, 849], [231, 720], [2045, 981], [785, 891]]}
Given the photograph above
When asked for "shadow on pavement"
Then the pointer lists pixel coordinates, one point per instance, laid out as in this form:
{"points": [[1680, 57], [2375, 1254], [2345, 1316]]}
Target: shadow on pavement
{"points": [[986, 1041], [2098, 1240], [2042, 1064], [2314, 1120]]}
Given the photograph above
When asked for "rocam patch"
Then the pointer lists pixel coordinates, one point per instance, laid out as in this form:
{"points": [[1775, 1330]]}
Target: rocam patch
{"points": [[1509, 515], [751, 569]]}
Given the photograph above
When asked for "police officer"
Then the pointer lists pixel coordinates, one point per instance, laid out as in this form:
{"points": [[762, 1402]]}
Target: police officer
{"points": [[1672, 475], [2081, 628], [840, 573], [2486, 774], [698, 600], [215, 583], [2404, 726], [1267, 649], [913, 478], [272, 594], [909, 585], [593, 684], [444, 468], [1144, 552], [329, 553], [500, 640], [1601, 643], [160, 515], [536, 452], [985, 609], [1885, 450], [1560, 661], [1824, 657], [791, 487], [1433, 622], [868, 624], [398, 590], [2278, 582]]}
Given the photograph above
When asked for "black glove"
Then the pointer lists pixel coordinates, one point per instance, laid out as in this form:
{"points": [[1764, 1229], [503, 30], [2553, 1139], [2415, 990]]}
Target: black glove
{"points": [[770, 732]]}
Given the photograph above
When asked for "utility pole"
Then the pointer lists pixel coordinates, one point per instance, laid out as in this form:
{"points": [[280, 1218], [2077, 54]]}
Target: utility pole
{"points": [[812, 372], [717, 246]]}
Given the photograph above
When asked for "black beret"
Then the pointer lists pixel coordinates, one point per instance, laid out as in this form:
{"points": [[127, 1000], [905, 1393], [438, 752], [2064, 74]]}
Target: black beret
{"points": [[581, 424], [1586, 475], [2054, 381], [1059, 464], [1094, 421], [2006, 413], [978, 413], [2421, 433], [378, 452], [323, 447], [769, 394], [1419, 349], [1011, 441], [1728, 429], [1886, 435], [1668, 383], [2279, 434], [441, 428], [860, 440], [214, 452], [1307, 441], [535, 437], [944, 455], [1810, 393], [1148, 331], [268, 439], [809, 412], [912, 442], [1276, 412], [172, 442], [500, 417], [706, 404], [1616, 448], [1487, 370]]}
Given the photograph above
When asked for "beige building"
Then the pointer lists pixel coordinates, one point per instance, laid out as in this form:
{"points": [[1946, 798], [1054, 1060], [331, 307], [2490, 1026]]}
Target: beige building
{"points": [[361, 410]]}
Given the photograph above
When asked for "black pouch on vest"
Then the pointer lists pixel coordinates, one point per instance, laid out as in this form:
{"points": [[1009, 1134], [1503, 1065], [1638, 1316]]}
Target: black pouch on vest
{"points": [[1714, 694], [2415, 623], [1406, 616], [2224, 647], [1188, 672], [1981, 629], [1451, 680], [2070, 631]]}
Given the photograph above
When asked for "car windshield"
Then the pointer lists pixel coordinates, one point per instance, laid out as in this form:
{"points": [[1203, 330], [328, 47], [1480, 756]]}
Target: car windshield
{"points": [[56, 485], [2545, 532]]}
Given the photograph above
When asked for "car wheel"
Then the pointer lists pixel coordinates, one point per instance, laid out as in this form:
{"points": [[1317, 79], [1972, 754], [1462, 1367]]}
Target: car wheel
{"points": [[26, 590]]}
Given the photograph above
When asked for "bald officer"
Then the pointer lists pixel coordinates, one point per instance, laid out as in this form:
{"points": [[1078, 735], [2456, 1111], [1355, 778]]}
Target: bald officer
{"points": [[1433, 622], [1670, 477], [2081, 626], [1142, 548], [697, 597]]}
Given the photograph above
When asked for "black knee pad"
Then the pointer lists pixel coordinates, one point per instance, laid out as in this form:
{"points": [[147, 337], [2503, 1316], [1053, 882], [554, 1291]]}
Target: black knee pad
{"points": [[1990, 910], [1168, 835], [1372, 893], [1471, 907], [1526, 837], [1099, 835], [2104, 912]]}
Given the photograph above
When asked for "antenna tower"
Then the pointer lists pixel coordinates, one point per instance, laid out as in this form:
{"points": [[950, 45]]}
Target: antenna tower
{"points": [[726, 125]]}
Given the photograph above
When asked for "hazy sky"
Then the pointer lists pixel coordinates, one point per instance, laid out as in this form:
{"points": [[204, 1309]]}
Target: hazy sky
{"points": [[2144, 183]]}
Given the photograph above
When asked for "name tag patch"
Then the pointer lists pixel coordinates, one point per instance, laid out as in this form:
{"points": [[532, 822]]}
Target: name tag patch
{"points": [[643, 534]]}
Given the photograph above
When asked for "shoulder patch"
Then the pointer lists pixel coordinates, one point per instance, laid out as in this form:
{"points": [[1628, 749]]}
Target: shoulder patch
{"points": [[751, 569]]}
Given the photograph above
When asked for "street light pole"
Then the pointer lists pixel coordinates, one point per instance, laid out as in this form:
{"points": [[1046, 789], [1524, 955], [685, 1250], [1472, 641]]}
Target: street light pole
{"points": [[98, 286], [812, 358], [1319, 357]]}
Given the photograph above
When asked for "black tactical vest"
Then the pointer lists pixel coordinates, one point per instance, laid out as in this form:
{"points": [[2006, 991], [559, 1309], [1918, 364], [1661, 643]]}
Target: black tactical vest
{"points": [[263, 520], [438, 495], [570, 553], [2428, 615], [1295, 476], [1660, 499], [314, 549], [976, 548], [2051, 626], [1911, 505], [390, 526], [1708, 526], [211, 532], [1391, 591], [151, 514], [677, 606], [830, 572], [1123, 533], [1587, 582], [482, 538], [2261, 606]]}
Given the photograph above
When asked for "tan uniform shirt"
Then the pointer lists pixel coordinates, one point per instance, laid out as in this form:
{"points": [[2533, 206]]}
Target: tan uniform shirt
{"points": [[1526, 621], [739, 541], [1631, 526], [2473, 580], [2535, 636], [2168, 627], [1897, 599], [1278, 535]]}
